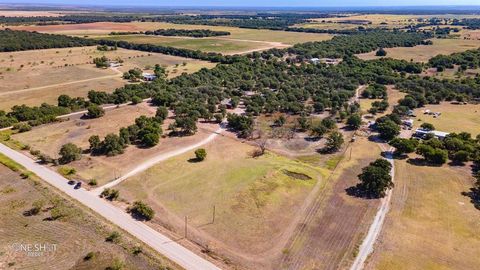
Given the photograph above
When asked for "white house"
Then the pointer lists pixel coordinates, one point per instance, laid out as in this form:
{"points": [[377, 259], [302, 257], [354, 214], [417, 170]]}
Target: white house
{"points": [[148, 76], [422, 133]]}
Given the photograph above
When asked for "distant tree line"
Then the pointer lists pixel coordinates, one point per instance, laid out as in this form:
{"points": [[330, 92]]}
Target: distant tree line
{"points": [[11, 40], [198, 33], [465, 60]]}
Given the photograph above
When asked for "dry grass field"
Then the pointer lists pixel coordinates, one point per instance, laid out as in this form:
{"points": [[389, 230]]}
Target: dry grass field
{"points": [[25, 13], [333, 231], [454, 118], [256, 198], [75, 234], [103, 28], [49, 139], [34, 77], [219, 45], [422, 53], [379, 20], [431, 225]]}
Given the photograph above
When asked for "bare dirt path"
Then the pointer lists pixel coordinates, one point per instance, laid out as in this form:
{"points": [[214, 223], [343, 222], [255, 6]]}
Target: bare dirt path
{"points": [[117, 73], [376, 227], [157, 241], [164, 156]]}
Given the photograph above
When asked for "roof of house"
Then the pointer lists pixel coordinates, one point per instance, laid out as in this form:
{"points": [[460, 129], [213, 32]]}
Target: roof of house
{"points": [[434, 132]]}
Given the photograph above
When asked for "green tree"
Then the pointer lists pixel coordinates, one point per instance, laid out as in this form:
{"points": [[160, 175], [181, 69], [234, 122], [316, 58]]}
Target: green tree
{"points": [[404, 146], [112, 145], [69, 152], [381, 52], [427, 126], [334, 141], [354, 121], [95, 143], [388, 129], [95, 111], [141, 210], [200, 154], [376, 179]]}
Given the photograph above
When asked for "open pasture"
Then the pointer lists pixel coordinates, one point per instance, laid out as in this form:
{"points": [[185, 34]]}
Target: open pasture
{"points": [[34, 77], [255, 198], [219, 45], [431, 225], [75, 234], [104, 28], [49, 139], [453, 118], [422, 53]]}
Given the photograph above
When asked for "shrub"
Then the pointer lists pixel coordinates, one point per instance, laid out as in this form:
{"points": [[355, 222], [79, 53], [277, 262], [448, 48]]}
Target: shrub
{"points": [[70, 152], [22, 127], [90, 255], [200, 154], [95, 111], [142, 211], [113, 237]]}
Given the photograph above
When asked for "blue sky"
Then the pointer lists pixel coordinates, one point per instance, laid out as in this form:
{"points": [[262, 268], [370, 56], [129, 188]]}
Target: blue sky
{"points": [[269, 3]]}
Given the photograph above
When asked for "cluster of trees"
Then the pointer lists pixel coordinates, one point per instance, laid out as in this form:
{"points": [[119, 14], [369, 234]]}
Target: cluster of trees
{"points": [[340, 46], [465, 60], [101, 62], [428, 90], [133, 74], [377, 91], [470, 23], [11, 40], [33, 116], [198, 33], [458, 147], [241, 124], [145, 132], [375, 179], [105, 48]]}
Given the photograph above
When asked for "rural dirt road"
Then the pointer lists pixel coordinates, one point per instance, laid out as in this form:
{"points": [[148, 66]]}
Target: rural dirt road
{"points": [[159, 242], [366, 248], [164, 156]]}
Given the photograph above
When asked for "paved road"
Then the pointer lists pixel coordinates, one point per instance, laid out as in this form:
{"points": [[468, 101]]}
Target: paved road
{"points": [[376, 227], [117, 216], [151, 162]]}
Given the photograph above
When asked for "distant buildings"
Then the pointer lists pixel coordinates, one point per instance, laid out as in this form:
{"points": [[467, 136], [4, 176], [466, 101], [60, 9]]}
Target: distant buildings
{"points": [[328, 61]]}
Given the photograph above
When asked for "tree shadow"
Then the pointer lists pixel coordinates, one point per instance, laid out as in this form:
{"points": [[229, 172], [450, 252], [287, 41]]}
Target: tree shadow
{"points": [[474, 195], [358, 192], [422, 162], [194, 160]]}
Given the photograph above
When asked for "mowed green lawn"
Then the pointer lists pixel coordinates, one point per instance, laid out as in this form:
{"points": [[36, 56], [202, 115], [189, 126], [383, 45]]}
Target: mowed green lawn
{"points": [[255, 198], [202, 44]]}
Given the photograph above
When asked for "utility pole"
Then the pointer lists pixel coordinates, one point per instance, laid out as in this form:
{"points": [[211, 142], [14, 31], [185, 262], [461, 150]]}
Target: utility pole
{"points": [[213, 217], [186, 221]]}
